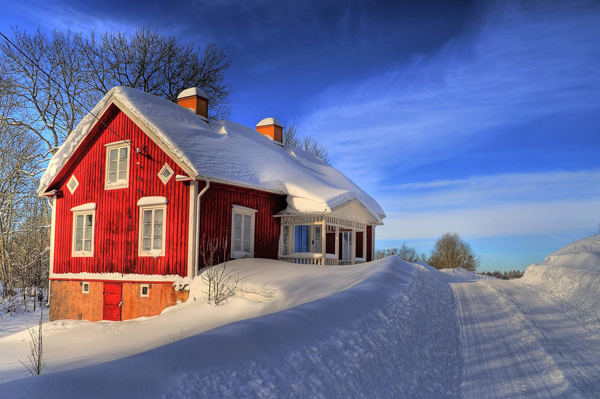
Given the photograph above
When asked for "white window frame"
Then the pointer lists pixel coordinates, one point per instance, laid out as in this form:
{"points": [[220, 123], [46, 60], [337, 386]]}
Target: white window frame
{"points": [[83, 253], [142, 286], [162, 178], [117, 145], [72, 179], [83, 285], [236, 209], [153, 252]]}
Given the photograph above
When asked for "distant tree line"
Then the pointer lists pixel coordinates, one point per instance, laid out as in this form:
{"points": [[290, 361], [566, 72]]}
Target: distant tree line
{"points": [[504, 275]]}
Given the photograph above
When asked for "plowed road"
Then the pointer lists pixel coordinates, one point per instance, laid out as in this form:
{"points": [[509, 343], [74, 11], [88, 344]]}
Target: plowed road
{"points": [[518, 342]]}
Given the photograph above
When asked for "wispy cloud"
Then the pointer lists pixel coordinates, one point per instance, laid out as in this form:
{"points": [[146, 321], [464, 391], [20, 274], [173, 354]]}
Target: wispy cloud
{"points": [[514, 65], [484, 206]]}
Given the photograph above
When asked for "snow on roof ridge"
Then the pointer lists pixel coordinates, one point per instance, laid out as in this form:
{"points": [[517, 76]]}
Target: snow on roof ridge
{"points": [[244, 158], [192, 91], [269, 121]]}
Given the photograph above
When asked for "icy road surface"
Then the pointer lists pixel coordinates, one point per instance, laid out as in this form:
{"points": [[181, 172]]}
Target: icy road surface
{"points": [[518, 341]]}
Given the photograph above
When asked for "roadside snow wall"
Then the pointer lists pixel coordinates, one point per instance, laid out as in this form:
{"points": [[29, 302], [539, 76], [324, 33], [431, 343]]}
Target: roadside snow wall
{"points": [[571, 273]]}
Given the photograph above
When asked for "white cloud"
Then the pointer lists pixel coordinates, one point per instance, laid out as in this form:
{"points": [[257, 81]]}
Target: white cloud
{"points": [[484, 206]]}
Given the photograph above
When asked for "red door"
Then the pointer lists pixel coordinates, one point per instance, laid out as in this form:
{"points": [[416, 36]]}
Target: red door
{"points": [[112, 301]]}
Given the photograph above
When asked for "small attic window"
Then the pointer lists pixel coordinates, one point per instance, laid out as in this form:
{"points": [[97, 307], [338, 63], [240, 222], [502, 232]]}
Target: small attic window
{"points": [[165, 173], [72, 184]]}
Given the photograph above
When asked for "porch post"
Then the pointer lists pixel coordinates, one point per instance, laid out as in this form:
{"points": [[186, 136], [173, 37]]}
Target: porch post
{"points": [[353, 251], [323, 242], [337, 244]]}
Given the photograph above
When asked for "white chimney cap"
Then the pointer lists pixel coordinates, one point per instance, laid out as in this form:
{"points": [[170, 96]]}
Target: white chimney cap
{"points": [[269, 121], [192, 91]]}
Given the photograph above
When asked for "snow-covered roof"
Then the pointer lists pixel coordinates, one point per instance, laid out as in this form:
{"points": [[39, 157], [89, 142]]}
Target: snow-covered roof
{"points": [[269, 121], [192, 91], [227, 152]]}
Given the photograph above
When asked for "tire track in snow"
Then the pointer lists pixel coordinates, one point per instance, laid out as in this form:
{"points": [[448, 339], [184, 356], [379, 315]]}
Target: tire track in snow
{"points": [[502, 352], [565, 331]]}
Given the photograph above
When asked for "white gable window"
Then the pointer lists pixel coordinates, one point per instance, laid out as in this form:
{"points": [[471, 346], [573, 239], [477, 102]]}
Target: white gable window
{"points": [[83, 230], [165, 174], [72, 184], [117, 165], [153, 212], [242, 232]]}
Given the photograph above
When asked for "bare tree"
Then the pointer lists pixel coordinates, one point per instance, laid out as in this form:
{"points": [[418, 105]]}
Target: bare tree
{"points": [[158, 64], [291, 138], [53, 80], [406, 253], [220, 282], [36, 346], [450, 251]]}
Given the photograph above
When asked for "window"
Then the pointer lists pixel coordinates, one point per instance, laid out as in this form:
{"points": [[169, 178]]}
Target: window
{"points": [[83, 233], [347, 245], [72, 184], [302, 239], [152, 231], [242, 232], [85, 287], [165, 174], [117, 165], [307, 238], [144, 290]]}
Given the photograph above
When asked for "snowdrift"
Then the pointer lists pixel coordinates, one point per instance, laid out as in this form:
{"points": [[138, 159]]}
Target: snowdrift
{"points": [[571, 273], [392, 335]]}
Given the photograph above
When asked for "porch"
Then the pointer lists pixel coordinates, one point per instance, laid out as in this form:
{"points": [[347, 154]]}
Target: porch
{"points": [[323, 240]]}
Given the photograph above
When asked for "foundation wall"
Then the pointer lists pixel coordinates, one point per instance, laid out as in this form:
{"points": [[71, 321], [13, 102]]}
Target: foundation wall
{"points": [[67, 301]]}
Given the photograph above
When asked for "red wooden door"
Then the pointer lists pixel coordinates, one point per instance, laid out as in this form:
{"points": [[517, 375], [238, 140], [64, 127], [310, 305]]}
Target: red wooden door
{"points": [[112, 301]]}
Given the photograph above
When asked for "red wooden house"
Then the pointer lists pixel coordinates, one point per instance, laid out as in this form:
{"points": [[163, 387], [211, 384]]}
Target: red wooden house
{"points": [[142, 183]]}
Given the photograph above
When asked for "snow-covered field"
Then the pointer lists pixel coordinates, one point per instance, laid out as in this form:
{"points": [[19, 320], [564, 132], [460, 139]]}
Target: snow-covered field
{"points": [[387, 329]]}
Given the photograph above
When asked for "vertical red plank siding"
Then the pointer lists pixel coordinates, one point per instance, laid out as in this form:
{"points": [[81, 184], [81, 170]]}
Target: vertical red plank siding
{"points": [[216, 211], [369, 243], [116, 227], [359, 245], [330, 243]]}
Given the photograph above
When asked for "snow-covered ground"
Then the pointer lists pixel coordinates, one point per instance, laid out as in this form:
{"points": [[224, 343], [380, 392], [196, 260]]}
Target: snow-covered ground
{"points": [[386, 329]]}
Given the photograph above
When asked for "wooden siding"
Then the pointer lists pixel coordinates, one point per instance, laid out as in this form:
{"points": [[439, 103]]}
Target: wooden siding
{"points": [[68, 302], [359, 244], [116, 227], [216, 211], [330, 243], [369, 243]]}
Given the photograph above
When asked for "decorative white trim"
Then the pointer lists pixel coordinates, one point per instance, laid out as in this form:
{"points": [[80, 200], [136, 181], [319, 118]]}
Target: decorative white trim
{"points": [[83, 285], [147, 287], [117, 145], [150, 201], [52, 239], [83, 253], [72, 184], [243, 211], [162, 177], [90, 206], [193, 219], [153, 253]]}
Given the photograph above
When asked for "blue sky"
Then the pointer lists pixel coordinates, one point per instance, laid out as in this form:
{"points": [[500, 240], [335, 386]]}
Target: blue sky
{"points": [[481, 118]]}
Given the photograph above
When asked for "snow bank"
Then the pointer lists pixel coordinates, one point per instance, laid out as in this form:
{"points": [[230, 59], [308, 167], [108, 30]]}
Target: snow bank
{"points": [[395, 334], [571, 273]]}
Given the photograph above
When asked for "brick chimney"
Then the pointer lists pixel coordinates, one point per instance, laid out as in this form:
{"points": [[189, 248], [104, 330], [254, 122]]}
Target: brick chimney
{"points": [[272, 128], [196, 99]]}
